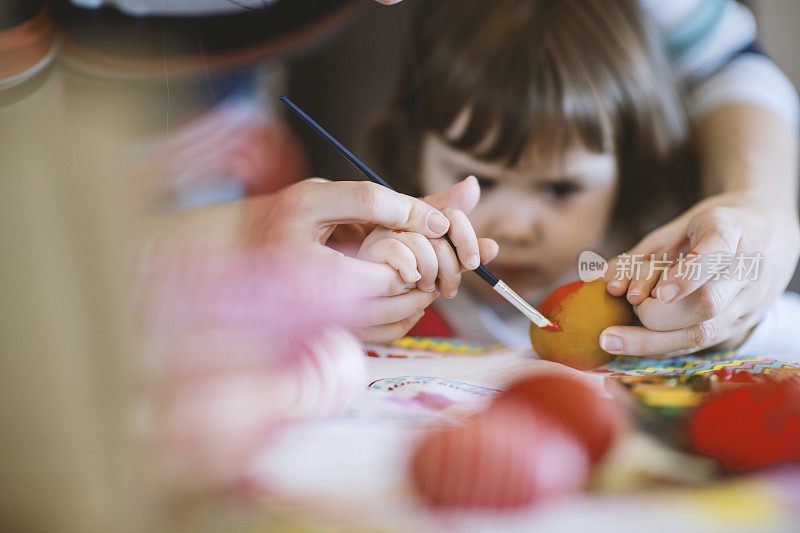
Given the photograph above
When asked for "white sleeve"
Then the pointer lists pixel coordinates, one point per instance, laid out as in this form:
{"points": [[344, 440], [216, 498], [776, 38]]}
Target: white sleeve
{"points": [[710, 46], [778, 333], [749, 78]]}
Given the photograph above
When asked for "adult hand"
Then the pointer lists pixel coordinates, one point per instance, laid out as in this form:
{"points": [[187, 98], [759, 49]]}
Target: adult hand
{"points": [[304, 216], [306, 213], [728, 259]]}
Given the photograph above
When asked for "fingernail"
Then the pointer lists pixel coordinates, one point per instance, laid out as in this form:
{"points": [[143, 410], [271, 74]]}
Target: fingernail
{"points": [[437, 222], [416, 276], [473, 262], [667, 293], [615, 285], [634, 293], [611, 343], [451, 295]]}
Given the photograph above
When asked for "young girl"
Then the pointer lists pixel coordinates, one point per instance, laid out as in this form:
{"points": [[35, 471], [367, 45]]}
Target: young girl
{"points": [[569, 118]]}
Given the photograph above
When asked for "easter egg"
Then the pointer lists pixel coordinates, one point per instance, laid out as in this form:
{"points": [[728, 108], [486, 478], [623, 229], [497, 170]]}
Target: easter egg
{"points": [[581, 311], [505, 458], [750, 426], [580, 407]]}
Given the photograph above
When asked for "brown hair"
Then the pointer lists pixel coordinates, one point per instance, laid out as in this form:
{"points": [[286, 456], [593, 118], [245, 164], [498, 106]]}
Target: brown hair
{"points": [[540, 73]]}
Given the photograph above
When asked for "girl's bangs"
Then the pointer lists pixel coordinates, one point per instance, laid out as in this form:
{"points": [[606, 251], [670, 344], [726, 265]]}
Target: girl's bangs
{"points": [[568, 92]]}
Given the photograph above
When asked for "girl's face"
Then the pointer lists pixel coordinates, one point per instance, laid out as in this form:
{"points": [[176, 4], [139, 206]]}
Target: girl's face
{"points": [[543, 214]]}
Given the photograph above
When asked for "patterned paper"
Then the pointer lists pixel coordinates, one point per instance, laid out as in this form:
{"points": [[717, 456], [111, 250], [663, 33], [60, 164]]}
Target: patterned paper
{"points": [[424, 400]]}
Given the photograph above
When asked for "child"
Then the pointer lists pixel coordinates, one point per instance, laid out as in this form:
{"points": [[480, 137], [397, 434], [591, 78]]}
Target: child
{"points": [[569, 118]]}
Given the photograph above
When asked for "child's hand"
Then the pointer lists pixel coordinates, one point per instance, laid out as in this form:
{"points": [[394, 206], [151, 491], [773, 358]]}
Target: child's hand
{"points": [[426, 264], [729, 264]]}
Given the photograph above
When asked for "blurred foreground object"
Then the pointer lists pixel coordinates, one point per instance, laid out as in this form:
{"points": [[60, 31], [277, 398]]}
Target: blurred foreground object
{"points": [[505, 458], [592, 415], [71, 454], [536, 441], [751, 425]]}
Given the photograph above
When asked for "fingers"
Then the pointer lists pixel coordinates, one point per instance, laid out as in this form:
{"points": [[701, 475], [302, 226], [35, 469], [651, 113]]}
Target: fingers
{"points": [[635, 340], [389, 332], [369, 279], [636, 274], [463, 196], [629, 266], [488, 249], [426, 258], [379, 311], [706, 303], [343, 202], [639, 287], [464, 238], [714, 236], [449, 268], [395, 254]]}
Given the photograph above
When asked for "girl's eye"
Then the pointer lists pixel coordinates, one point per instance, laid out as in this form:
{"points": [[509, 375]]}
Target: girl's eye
{"points": [[561, 189], [486, 184]]}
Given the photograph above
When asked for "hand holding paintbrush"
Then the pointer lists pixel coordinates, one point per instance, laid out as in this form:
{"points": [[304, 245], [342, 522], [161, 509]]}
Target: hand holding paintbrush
{"points": [[498, 285]]}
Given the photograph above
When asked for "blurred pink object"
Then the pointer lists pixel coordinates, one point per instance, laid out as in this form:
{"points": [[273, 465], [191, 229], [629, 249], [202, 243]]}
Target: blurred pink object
{"points": [[507, 457], [223, 304], [214, 422], [244, 341], [241, 142]]}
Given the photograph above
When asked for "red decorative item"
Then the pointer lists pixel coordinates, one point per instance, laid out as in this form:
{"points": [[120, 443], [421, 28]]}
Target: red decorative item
{"points": [[732, 375], [750, 426], [432, 324], [505, 458], [594, 418]]}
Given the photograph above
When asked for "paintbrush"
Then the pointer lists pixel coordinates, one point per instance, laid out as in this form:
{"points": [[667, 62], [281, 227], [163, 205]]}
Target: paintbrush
{"points": [[496, 283]]}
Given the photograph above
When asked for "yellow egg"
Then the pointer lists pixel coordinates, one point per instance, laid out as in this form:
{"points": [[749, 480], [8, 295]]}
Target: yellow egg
{"points": [[582, 311]]}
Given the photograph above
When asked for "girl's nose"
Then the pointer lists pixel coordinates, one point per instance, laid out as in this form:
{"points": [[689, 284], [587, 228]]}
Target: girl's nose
{"points": [[516, 224]]}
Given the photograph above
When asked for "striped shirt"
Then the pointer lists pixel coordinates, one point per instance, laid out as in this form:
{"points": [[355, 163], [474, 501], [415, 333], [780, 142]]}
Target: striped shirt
{"points": [[713, 47]]}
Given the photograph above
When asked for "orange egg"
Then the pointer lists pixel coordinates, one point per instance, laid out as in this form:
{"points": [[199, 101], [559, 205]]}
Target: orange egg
{"points": [[582, 311]]}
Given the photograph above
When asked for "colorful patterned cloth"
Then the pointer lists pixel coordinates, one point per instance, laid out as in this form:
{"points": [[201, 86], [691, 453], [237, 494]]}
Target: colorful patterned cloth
{"points": [[693, 365]]}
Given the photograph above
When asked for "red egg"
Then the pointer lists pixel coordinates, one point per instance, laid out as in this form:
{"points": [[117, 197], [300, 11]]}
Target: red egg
{"points": [[750, 426], [507, 457], [583, 409]]}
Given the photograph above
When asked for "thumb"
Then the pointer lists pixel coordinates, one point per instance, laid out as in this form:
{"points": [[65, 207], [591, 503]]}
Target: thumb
{"points": [[464, 196]]}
